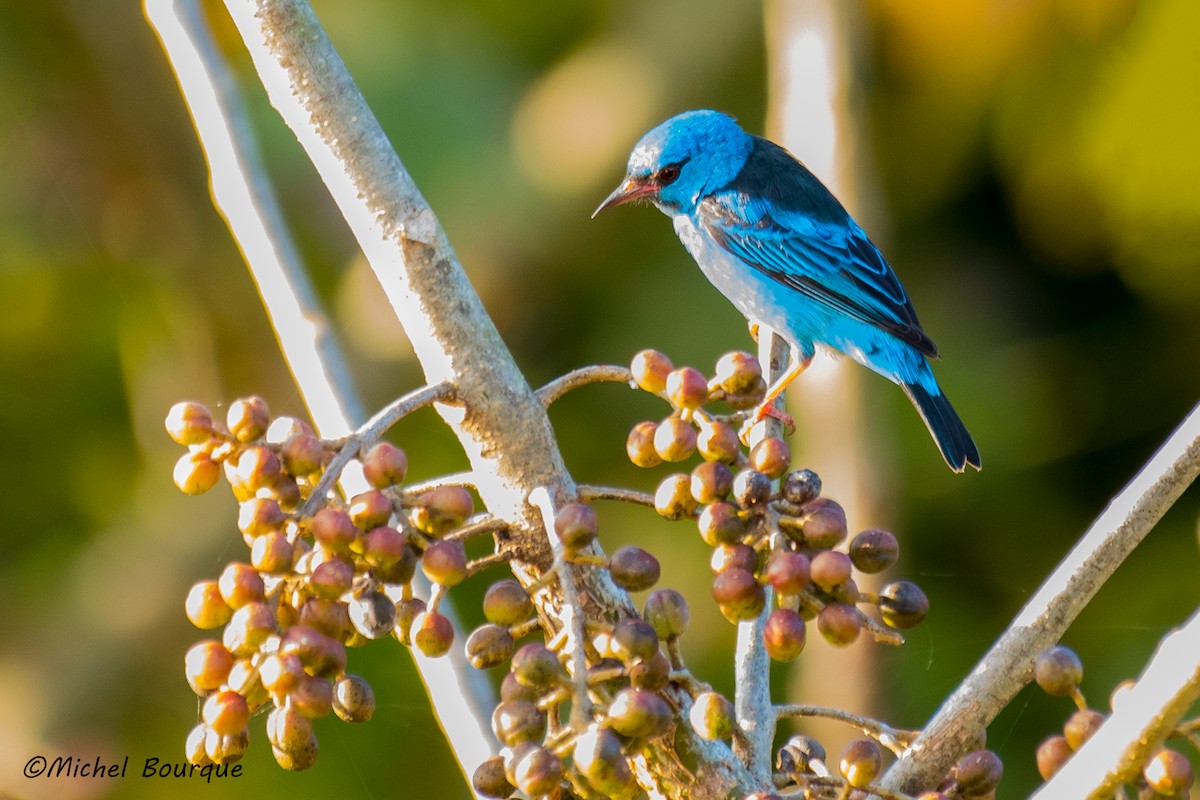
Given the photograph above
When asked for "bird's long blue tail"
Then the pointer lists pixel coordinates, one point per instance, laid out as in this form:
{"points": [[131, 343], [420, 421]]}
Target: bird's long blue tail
{"points": [[957, 446]]}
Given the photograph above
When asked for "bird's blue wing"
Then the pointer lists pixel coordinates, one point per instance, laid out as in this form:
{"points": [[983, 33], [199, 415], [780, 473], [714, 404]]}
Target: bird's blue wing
{"points": [[779, 219]]}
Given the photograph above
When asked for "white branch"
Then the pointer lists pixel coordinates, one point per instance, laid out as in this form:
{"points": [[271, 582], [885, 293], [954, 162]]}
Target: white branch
{"points": [[1008, 666], [458, 693], [1142, 720], [751, 666], [243, 196]]}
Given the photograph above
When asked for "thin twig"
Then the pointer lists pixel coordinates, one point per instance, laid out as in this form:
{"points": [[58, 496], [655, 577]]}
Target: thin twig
{"points": [[490, 560], [893, 739], [674, 653], [488, 524], [882, 634], [414, 490], [817, 782], [1187, 728], [366, 435], [523, 629], [1008, 665], [590, 492], [598, 373], [688, 681], [601, 675], [752, 669]]}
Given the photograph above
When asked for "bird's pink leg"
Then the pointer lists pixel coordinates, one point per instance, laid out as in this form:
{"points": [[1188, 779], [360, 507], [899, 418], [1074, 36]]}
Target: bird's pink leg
{"points": [[767, 407]]}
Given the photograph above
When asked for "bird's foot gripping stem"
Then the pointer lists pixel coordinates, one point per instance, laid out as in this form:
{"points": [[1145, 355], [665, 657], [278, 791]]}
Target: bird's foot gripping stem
{"points": [[767, 408]]}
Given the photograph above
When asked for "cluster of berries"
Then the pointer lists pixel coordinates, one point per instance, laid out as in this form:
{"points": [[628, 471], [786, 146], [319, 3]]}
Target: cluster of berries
{"points": [[628, 704], [636, 683], [767, 526], [325, 574], [322, 575], [1059, 672], [628, 675]]}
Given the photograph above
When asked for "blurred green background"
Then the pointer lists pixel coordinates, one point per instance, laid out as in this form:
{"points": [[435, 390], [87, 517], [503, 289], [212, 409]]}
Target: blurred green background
{"points": [[1037, 168]]}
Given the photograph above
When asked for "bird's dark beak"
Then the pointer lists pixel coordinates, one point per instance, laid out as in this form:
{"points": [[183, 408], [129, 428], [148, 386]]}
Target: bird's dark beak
{"points": [[629, 190]]}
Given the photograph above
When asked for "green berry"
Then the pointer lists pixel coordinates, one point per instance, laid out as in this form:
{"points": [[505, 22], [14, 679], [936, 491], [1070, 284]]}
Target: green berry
{"points": [[1051, 755], [373, 614], [840, 624], [801, 486], [712, 716], [721, 523], [1080, 726], [488, 779], [738, 594], [432, 633], [1169, 773], [738, 373], [771, 457], [674, 439], [599, 758], [196, 473], [639, 713], [711, 481], [516, 721], [788, 572], [717, 441], [673, 498], [489, 645], [575, 525], [667, 612], [824, 523], [207, 665], [978, 773]]}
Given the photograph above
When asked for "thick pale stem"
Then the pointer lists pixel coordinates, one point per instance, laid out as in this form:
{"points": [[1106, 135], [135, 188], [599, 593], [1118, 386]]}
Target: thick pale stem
{"points": [[599, 373], [588, 493], [500, 422], [893, 739], [368, 434], [243, 195], [752, 668]]}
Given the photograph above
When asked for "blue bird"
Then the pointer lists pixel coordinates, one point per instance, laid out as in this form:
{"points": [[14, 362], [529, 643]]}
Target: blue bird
{"points": [[769, 235]]}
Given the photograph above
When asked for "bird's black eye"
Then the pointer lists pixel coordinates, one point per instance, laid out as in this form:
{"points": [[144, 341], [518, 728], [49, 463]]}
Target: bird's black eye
{"points": [[667, 175]]}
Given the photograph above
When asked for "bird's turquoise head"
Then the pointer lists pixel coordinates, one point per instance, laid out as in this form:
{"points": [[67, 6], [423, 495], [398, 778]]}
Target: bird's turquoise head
{"points": [[682, 161]]}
